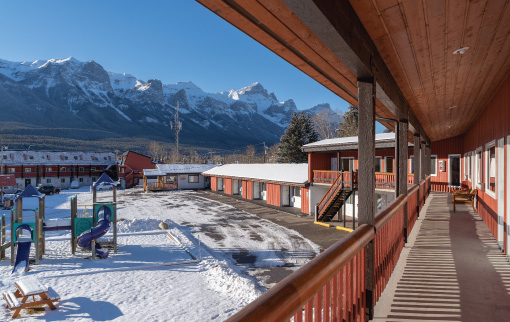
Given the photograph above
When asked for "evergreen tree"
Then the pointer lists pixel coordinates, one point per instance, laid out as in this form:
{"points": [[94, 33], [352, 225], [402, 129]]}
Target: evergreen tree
{"points": [[349, 124], [299, 132]]}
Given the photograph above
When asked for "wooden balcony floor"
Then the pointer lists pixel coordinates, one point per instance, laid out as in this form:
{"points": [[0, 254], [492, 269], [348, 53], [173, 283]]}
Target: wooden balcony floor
{"points": [[451, 269]]}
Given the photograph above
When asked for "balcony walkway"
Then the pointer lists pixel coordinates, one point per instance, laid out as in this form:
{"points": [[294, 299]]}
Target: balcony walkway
{"points": [[451, 269]]}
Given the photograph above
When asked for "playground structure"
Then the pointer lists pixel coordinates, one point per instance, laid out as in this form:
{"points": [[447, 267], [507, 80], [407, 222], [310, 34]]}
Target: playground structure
{"points": [[21, 245], [87, 229]]}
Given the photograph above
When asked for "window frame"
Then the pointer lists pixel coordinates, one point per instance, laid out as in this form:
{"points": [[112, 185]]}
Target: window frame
{"points": [[193, 176], [380, 163], [478, 168], [434, 156], [386, 164], [488, 146], [450, 170], [346, 158], [28, 170]]}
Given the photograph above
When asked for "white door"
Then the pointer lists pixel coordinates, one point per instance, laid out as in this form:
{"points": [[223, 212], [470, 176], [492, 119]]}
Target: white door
{"points": [[256, 190], [285, 195], [219, 184], [334, 164], [500, 189], [235, 187]]}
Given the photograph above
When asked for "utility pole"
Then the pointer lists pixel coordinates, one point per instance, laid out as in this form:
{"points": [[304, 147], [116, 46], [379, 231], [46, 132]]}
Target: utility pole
{"points": [[177, 126], [211, 156], [265, 151], [2, 171]]}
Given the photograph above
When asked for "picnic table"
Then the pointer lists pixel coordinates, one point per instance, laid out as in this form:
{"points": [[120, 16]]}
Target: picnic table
{"points": [[30, 287]]}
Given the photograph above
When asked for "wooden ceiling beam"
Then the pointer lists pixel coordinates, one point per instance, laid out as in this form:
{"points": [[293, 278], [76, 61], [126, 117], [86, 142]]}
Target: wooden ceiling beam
{"points": [[337, 25]]}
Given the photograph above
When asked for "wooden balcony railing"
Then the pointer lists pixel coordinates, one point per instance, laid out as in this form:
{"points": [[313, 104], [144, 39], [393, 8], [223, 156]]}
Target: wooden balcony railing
{"points": [[331, 287], [159, 186], [382, 179]]}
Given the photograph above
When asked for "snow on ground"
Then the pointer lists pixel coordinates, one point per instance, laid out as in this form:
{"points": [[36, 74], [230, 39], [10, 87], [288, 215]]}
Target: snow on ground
{"points": [[153, 277]]}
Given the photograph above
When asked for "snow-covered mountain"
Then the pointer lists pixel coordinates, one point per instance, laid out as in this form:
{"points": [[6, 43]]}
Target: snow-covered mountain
{"points": [[67, 93]]}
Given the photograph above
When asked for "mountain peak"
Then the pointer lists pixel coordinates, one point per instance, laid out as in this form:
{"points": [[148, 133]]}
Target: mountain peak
{"points": [[255, 88]]}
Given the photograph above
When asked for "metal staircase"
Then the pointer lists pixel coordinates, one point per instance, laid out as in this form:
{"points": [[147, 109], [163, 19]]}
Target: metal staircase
{"points": [[336, 196]]}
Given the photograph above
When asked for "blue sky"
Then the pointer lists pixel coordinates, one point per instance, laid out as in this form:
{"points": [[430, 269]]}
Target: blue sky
{"points": [[174, 41]]}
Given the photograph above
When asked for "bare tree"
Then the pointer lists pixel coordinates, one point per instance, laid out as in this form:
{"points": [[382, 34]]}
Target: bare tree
{"points": [[156, 151], [324, 124]]}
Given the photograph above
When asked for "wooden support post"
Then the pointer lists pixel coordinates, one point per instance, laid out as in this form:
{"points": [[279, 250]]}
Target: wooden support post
{"points": [[353, 209], [37, 239], [74, 213], [114, 219], [401, 163], [366, 177], [2, 254], [13, 245], [317, 212], [42, 216], [417, 170], [423, 163], [93, 242], [429, 163]]}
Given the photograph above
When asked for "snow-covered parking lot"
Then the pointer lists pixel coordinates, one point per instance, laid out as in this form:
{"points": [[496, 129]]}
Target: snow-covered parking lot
{"points": [[154, 277]]}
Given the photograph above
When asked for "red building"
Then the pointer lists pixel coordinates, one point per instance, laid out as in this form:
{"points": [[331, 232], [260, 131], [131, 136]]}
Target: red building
{"points": [[131, 168]]}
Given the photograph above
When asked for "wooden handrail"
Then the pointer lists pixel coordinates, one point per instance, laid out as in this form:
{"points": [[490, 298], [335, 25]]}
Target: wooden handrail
{"points": [[413, 190], [328, 171], [288, 296], [383, 216]]}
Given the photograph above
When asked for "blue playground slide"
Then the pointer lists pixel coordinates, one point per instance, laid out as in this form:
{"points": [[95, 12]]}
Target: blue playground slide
{"points": [[23, 251], [102, 227]]}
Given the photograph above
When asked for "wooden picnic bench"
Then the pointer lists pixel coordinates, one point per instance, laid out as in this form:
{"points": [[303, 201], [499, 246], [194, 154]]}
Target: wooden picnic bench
{"points": [[465, 196], [30, 287]]}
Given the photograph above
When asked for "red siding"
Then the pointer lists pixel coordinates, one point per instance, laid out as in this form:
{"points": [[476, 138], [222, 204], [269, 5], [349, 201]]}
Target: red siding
{"points": [[492, 124], [249, 190], [228, 185], [245, 189], [319, 161], [273, 194], [138, 161], [305, 203], [214, 184], [443, 149]]}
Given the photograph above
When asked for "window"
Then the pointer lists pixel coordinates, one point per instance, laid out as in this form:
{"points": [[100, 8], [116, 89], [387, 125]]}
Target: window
{"points": [[48, 180], [170, 179], [346, 164], [479, 167], [296, 191], [454, 170], [121, 170], [490, 176], [28, 170], [433, 165], [12, 170], [378, 162], [411, 164], [66, 158], [63, 180], [193, 178], [5, 157], [49, 169], [63, 169], [389, 164], [81, 169], [93, 169], [31, 157], [76, 157], [81, 179]]}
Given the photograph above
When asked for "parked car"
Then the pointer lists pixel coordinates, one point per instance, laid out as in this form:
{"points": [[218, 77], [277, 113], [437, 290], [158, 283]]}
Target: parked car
{"points": [[74, 185], [101, 187], [48, 189], [12, 190]]}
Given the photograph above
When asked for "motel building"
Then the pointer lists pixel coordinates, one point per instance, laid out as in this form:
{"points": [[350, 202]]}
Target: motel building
{"points": [[281, 185], [436, 73], [168, 177], [55, 168]]}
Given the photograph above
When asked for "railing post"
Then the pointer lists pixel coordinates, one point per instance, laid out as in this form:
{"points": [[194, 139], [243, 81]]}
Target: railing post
{"points": [[401, 172], [366, 178], [317, 212]]}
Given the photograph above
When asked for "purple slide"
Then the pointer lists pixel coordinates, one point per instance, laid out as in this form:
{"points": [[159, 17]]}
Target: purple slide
{"points": [[102, 227], [23, 249]]}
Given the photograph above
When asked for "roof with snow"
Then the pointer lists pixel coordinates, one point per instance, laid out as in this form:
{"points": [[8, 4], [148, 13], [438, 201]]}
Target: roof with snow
{"points": [[185, 168], [104, 179], [29, 192], [294, 173], [382, 140], [57, 158]]}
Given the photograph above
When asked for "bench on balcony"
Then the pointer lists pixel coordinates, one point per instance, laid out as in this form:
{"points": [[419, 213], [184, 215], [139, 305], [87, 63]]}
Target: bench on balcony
{"points": [[464, 197]]}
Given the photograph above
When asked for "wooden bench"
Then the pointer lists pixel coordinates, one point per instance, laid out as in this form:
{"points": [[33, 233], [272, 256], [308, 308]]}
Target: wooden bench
{"points": [[27, 288], [464, 197]]}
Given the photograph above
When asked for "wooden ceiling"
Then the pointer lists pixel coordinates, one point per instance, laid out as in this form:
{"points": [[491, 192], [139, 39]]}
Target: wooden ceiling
{"points": [[414, 39], [417, 39]]}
